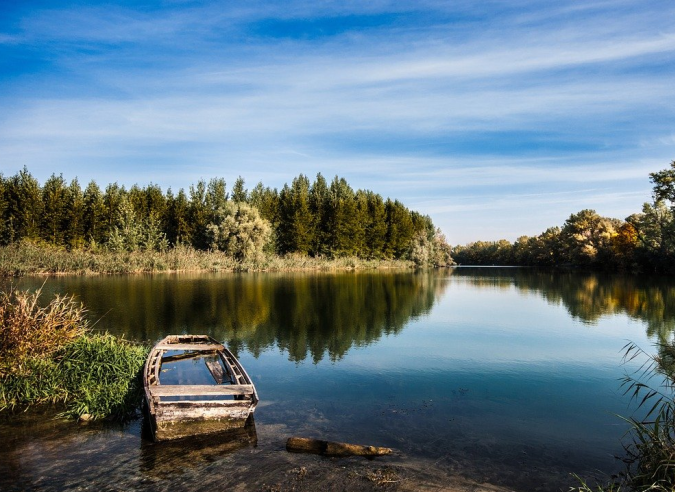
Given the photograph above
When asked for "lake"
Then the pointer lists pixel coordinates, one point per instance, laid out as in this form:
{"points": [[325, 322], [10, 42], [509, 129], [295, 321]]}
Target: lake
{"points": [[501, 375]]}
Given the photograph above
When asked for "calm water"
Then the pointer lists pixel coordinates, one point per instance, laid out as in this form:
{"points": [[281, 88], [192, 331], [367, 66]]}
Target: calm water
{"points": [[503, 375]]}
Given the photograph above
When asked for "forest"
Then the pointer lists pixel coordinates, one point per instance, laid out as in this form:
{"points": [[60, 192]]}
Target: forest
{"points": [[643, 242], [317, 219]]}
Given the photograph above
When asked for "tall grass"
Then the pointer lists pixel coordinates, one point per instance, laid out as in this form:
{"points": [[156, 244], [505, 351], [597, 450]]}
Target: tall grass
{"points": [[28, 258], [27, 329], [650, 449], [48, 355]]}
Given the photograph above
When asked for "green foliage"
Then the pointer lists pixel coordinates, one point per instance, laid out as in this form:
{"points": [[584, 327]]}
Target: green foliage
{"points": [[317, 219], [239, 230], [95, 376], [643, 242], [664, 184]]}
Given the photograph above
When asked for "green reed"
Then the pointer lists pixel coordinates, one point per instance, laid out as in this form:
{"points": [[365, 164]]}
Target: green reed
{"points": [[650, 449]]}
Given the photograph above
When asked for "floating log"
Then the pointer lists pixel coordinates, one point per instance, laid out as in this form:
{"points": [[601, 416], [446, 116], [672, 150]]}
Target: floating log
{"points": [[328, 448]]}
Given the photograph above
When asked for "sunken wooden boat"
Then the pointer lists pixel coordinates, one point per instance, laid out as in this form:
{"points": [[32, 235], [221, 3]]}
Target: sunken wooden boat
{"points": [[194, 385]]}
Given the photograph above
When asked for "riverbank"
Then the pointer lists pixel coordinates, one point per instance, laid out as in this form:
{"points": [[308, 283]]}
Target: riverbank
{"points": [[25, 258], [50, 356]]}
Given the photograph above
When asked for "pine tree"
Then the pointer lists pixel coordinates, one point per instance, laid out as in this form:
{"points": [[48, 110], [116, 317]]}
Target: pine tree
{"points": [[318, 206], [199, 216], [94, 215], [54, 202], [376, 226], [74, 225], [24, 205], [112, 202], [239, 193]]}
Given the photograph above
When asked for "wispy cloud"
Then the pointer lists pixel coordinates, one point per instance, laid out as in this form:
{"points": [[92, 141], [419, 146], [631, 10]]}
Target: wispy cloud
{"points": [[410, 99]]}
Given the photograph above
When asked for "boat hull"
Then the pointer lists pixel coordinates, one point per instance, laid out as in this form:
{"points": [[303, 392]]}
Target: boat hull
{"points": [[176, 411]]}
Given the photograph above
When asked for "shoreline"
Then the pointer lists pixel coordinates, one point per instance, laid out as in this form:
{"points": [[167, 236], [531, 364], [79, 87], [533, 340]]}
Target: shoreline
{"points": [[28, 259]]}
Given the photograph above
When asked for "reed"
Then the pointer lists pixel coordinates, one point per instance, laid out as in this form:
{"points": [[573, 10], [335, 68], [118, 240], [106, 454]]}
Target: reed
{"points": [[30, 330], [650, 449], [29, 258], [48, 355]]}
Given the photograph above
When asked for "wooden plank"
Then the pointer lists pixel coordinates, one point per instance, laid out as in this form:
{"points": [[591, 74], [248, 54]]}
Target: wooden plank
{"points": [[158, 364], [204, 403], [199, 347], [200, 389], [230, 369], [216, 371]]}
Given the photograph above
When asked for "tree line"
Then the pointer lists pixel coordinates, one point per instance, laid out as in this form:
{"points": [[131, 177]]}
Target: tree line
{"points": [[306, 218], [643, 241]]}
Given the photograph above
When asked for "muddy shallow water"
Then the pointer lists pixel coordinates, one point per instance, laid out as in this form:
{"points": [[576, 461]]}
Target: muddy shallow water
{"points": [[502, 377]]}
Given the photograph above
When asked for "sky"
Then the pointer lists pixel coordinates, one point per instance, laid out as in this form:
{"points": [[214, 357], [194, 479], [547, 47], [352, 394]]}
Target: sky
{"points": [[498, 119]]}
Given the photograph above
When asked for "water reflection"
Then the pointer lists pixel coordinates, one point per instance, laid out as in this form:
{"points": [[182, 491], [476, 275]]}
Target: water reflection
{"points": [[162, 460], [589, 296], [307, 315], [508, 376]]}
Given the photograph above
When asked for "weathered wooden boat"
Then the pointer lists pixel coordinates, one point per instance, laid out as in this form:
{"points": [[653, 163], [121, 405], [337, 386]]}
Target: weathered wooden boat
{"points": [[214, 395]]}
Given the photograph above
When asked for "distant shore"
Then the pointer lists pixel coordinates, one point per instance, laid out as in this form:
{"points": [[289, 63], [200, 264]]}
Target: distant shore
{"points": [[26, 258]]}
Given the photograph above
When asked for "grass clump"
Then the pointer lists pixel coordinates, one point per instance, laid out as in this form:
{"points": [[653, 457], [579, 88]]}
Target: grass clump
{"points": [[49, 355]]}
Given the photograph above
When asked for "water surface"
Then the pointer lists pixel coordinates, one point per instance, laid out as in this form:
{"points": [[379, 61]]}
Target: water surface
{"points": [[509, 376]]}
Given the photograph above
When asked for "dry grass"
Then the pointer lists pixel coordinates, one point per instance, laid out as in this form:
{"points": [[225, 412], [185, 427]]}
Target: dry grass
{"points": [[28, 258], [29, 330]]}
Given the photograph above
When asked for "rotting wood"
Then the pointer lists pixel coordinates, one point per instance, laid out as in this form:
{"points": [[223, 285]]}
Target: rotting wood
{"points": [[328, 448], [225, 358], [216, 371], [179, 410], [199, 347], [200, 389]]}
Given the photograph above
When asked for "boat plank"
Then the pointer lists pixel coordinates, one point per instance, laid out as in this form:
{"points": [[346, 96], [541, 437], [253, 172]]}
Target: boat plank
{"points": [[198, 347], [216, 370], [200, 389]]}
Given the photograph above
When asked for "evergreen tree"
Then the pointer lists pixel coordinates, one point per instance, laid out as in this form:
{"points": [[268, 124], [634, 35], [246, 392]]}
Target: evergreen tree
{"points": [[239, 193], [94, 220], [318, 206], [361, 219], [399, 229], [74, 223], [216, 195], [376, 226], [54, 202], [112, 202], [199, 215], [341, 218], [177, 220], [294, 232], [24, 206]]}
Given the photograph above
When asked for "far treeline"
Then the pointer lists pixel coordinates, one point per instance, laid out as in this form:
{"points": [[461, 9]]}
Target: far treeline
{"points": [[317, 218], [643, 242]]}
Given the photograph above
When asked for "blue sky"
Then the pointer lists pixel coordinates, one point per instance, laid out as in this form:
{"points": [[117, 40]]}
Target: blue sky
{"points": [[498, 119]]}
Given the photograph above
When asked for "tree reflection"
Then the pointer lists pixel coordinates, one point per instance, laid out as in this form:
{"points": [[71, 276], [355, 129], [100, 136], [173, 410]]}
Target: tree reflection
{"points": [[589, 296], [307, 315]]}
